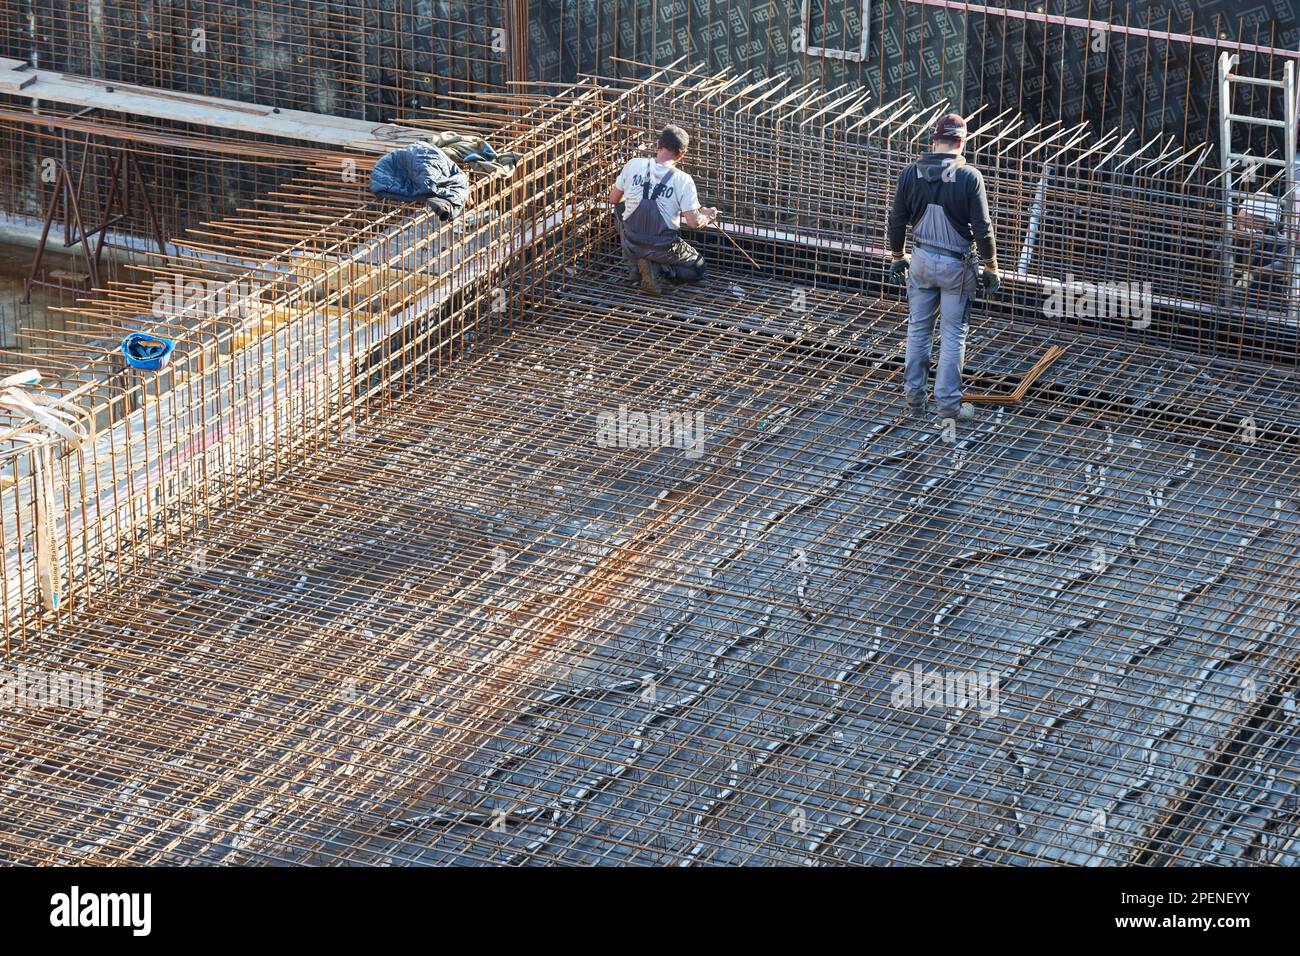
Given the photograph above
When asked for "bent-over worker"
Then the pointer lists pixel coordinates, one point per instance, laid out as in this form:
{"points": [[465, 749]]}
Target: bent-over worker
{"points": [[652, 198]]}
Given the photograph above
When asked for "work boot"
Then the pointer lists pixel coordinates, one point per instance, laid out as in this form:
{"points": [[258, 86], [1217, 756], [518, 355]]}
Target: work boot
{"points": [[963, 412], [649, 281], [917, 404]]}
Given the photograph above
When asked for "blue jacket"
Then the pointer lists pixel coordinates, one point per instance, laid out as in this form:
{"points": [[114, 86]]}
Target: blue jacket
{"points": [[421, 173]]}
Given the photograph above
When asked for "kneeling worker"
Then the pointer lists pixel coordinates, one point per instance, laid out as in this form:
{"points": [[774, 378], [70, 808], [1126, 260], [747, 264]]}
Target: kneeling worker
{"points": [[942, 197], [651, 198]]}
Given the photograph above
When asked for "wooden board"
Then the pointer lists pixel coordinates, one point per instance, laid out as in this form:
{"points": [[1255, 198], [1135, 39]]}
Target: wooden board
{"points": [[13, 81], [14, 75], [211, 111]]}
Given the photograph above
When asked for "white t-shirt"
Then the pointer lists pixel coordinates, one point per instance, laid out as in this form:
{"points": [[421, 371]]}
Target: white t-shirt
{"points": [[678, 196]]}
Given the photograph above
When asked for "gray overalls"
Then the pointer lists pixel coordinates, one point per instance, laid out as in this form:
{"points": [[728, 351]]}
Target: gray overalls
{"points": [[942, 277], [645, 235]]}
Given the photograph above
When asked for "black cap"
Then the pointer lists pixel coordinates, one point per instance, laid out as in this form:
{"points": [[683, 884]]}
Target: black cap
{"points": [[950, 126]]}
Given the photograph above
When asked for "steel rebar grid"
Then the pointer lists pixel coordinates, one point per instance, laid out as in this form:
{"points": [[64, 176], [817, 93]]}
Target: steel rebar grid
{"points": [[1144, 723], [363, 59], [300, 324], [191, 172], [360, 58], [1128, 184], [1072, 208], [471, 608], [300, 191]]}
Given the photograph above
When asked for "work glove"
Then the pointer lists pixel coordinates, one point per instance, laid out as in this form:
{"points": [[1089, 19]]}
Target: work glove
{"points": [[990, 281], [898, 271]]}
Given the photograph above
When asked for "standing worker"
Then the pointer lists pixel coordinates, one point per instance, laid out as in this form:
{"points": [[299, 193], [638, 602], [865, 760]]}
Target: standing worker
{"points": [[651, 198], [943, 199]]}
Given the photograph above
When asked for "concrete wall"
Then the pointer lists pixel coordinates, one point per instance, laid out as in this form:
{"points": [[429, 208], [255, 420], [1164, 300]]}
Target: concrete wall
{"points": [[1115, 81], [972, 58], [910, 49], [374, 59]]}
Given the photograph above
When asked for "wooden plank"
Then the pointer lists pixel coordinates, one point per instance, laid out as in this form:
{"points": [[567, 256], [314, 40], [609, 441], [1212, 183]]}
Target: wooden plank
{"points": [[212, 111], [13, 81]]}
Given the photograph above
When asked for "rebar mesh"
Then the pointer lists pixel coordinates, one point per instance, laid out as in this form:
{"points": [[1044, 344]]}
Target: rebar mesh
{"points": [[469, 635], [434, 603]]}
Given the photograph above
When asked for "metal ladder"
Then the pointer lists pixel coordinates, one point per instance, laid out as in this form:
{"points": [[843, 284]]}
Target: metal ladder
{"points": [[1231, 162]]}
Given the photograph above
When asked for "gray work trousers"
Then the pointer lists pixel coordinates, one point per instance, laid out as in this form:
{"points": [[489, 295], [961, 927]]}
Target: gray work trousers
{"points": [[678, 262], [937, 283]]}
